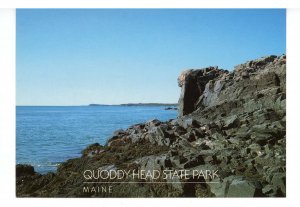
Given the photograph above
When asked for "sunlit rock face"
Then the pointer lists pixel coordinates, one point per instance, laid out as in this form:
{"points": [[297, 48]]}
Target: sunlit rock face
{"points": [[263, 79]]}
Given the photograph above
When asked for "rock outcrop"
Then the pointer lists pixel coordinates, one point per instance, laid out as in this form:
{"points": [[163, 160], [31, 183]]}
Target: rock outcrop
{"points": [[254, 81], [193, 86], [232, 123]]}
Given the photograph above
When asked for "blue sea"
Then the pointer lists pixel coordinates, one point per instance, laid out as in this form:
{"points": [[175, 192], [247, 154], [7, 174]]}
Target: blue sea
{"points": [[49, 135]]}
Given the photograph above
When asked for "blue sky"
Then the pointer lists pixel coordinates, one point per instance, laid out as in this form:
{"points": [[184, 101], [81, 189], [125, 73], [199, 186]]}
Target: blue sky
{"points": [[77, 57]]}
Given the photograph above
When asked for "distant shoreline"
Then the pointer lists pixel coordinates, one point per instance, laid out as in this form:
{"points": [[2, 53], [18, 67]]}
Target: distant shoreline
{"points": [[127, 104], [138, 104]]}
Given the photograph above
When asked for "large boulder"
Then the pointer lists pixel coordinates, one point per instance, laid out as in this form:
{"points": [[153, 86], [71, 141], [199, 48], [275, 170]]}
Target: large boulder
{"points": [[192, 83], [243, 188], [235, 186]]}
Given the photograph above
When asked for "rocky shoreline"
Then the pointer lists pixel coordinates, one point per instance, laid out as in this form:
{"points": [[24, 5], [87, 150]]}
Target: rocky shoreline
{"points": [[232, 123]]}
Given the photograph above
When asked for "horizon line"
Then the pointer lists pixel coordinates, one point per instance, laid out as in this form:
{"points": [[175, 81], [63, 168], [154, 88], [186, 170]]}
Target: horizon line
{"points": [[121, 104]]}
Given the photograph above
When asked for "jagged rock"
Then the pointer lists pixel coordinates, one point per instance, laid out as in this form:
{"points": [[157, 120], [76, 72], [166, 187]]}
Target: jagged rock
{"points": [[192, 83], [153, 162], [92, 150], [157, 135], [218, 188], [188, 123], [119, 142], [279, 182], [232, 121], [119, 132], [255, 149], [267, 190], [234, 186], [152, 123], [240, 187]]}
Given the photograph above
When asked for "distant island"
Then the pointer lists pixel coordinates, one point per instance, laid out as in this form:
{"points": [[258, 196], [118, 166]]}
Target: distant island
{"points": [[138, 104]]}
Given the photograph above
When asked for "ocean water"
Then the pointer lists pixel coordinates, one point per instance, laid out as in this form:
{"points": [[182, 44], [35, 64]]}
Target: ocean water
{"points": [[49, 135]]}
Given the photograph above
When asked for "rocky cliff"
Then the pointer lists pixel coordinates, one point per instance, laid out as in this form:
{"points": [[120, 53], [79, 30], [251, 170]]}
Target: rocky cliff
{"points": [[230, 123]]}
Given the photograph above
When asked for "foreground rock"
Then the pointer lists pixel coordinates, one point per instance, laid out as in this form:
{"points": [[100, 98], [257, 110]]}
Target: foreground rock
{"points": [[231, 123]]}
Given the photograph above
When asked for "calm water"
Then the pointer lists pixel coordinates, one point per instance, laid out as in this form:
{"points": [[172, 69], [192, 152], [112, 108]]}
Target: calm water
{"points": [[47, 136]]}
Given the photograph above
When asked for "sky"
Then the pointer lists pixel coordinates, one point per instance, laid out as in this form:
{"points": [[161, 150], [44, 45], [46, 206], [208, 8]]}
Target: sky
{"points": [[113, 56]]}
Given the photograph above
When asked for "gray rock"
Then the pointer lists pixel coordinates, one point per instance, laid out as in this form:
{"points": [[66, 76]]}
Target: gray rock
{"points": [[192, 83], [157, 135], [152, 123], [279, 182], [150, 163], [218, 188], [268, 190], [188, 123], [232, 121], [242, 188]]}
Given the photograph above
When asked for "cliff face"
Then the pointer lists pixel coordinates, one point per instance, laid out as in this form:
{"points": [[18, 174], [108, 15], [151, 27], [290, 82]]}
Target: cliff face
{"points": [[258, 83], [232, 123], [194, 85]]}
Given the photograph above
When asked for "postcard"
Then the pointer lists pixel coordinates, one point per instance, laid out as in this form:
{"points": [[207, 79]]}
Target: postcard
{"points": [[151, 103]]}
